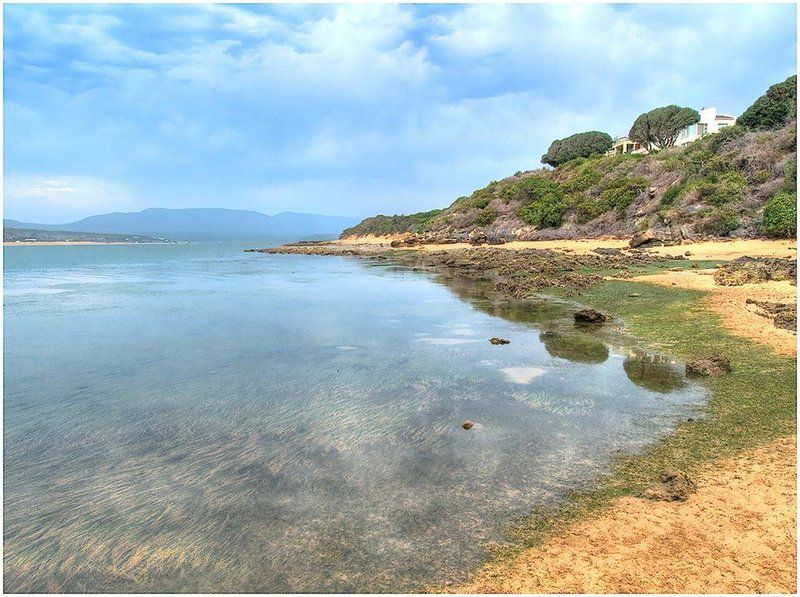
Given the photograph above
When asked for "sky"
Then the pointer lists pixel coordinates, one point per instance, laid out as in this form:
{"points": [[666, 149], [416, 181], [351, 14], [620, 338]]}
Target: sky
{"points": [[345, 109]]}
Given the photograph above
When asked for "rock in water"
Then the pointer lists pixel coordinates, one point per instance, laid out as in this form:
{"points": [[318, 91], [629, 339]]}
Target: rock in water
{"points": [[716, 364], [468, 425], [672, 486], [497, 341], [589, 316]]}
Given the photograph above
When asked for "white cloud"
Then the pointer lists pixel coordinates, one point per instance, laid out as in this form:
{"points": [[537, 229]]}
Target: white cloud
{"points": [[68, 195]]}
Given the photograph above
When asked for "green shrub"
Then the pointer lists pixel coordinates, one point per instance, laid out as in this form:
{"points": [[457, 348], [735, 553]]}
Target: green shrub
{"points": [[761, 176], [718, 141], [773, 109], [544, 213], [577, 146], [586, 176], [486, 216], [542, 199], [720, 190], [621, 192], [719, 222], [672, 194], [780, 215], [478, 200], [383, 225]]}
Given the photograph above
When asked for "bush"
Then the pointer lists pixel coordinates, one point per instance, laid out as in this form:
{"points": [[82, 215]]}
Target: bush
{"points": [[773, 109], [719, 190], [580, 145], [717, 142], [478, 200], [623, 191], [486, 216], [544, 213], [383, 225], [672, 194], [586, 176], [542, 198], [719, 222], [780, 215]]}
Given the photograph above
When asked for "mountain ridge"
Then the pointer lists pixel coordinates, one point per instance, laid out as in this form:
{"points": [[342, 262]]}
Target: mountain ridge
{"points": [[200, 223]]}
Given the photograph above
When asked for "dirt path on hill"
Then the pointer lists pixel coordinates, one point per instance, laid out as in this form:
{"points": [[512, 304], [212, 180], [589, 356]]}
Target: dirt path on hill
{"points": [[737, 534], [730, 303]]}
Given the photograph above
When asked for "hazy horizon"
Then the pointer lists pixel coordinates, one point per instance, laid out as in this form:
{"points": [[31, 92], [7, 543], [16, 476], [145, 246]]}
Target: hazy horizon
{"points": [[344, 110]]}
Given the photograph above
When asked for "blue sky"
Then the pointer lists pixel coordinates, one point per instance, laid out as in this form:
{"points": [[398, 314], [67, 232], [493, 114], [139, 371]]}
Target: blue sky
{"points": [[345, 110]]}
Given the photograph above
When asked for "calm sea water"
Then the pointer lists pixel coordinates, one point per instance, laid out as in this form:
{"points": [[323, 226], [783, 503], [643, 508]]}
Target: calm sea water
{"points": [[196, 418]]}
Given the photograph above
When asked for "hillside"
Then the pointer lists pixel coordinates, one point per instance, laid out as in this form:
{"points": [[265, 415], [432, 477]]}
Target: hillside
{"points": [[195, 224], [740, 182], [717, 186]]}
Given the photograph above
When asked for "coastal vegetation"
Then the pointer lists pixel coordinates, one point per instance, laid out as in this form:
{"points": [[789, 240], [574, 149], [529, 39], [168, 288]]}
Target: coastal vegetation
{"points": [[33, 236], [660, 127], [720, 185], [773, 109], [579, 145], [386, 225]]}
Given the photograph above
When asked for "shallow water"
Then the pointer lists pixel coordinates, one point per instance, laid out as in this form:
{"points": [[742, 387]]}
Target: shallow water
{"points": [[195, 418]]}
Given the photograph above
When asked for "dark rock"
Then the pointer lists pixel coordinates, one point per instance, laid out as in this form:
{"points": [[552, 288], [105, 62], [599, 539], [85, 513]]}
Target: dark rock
{"points": [[396, 243], [589, 316], [672, 486], [754, 270], [643, 238], [716, 364], [783, 315], [608, 251], [468, 425], [497, 341]]}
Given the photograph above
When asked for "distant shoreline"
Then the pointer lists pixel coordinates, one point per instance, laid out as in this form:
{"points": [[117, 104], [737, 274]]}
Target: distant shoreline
{"points": [[51, 243]]}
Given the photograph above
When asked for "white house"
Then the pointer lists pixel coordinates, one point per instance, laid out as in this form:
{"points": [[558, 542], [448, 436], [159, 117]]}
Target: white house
{"points": [[711, 122]]}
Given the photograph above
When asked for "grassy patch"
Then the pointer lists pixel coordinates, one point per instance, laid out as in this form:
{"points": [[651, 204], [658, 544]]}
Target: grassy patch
{"points": [[753, 405]]}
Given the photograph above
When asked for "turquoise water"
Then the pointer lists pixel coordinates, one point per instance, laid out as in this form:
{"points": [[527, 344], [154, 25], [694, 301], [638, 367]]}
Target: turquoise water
{"points": [[196, 418]]}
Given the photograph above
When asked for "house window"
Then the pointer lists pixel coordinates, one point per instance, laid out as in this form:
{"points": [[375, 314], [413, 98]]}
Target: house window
{"points": [[702, 129]]}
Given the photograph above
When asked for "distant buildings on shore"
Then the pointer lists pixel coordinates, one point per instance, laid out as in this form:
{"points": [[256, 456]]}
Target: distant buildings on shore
{"points": [[711, 122]]}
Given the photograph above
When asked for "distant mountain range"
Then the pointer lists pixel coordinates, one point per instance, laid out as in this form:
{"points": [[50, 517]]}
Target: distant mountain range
{"points": [[202, 224]]}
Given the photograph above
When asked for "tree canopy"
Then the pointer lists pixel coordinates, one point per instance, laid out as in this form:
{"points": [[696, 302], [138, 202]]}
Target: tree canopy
{"points": [[580, 145], [773, 109], [660, 127]]}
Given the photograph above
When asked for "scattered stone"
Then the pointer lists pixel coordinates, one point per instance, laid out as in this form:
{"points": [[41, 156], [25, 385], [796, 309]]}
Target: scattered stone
{"points": [[755, 270], [634, 294], [497, 341], [589, 316], [672, 486], [715, 364], [688, 253], [396, 243], [694, 265], [468, 425]]}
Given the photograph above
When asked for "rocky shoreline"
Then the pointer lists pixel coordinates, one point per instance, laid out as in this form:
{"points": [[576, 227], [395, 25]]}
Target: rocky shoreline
{"points": [[517, 273]]}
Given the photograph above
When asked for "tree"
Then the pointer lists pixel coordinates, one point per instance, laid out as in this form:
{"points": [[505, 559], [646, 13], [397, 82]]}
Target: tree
{"points": [[580, 145], [773, 109], [660, 127]]}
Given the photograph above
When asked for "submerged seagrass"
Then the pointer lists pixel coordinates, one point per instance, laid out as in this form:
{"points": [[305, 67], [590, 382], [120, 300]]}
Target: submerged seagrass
{"points": [[194, 418]]}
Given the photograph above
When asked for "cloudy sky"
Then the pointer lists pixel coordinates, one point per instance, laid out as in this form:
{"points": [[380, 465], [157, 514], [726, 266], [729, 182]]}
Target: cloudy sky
{"points": [[347, 110]]}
